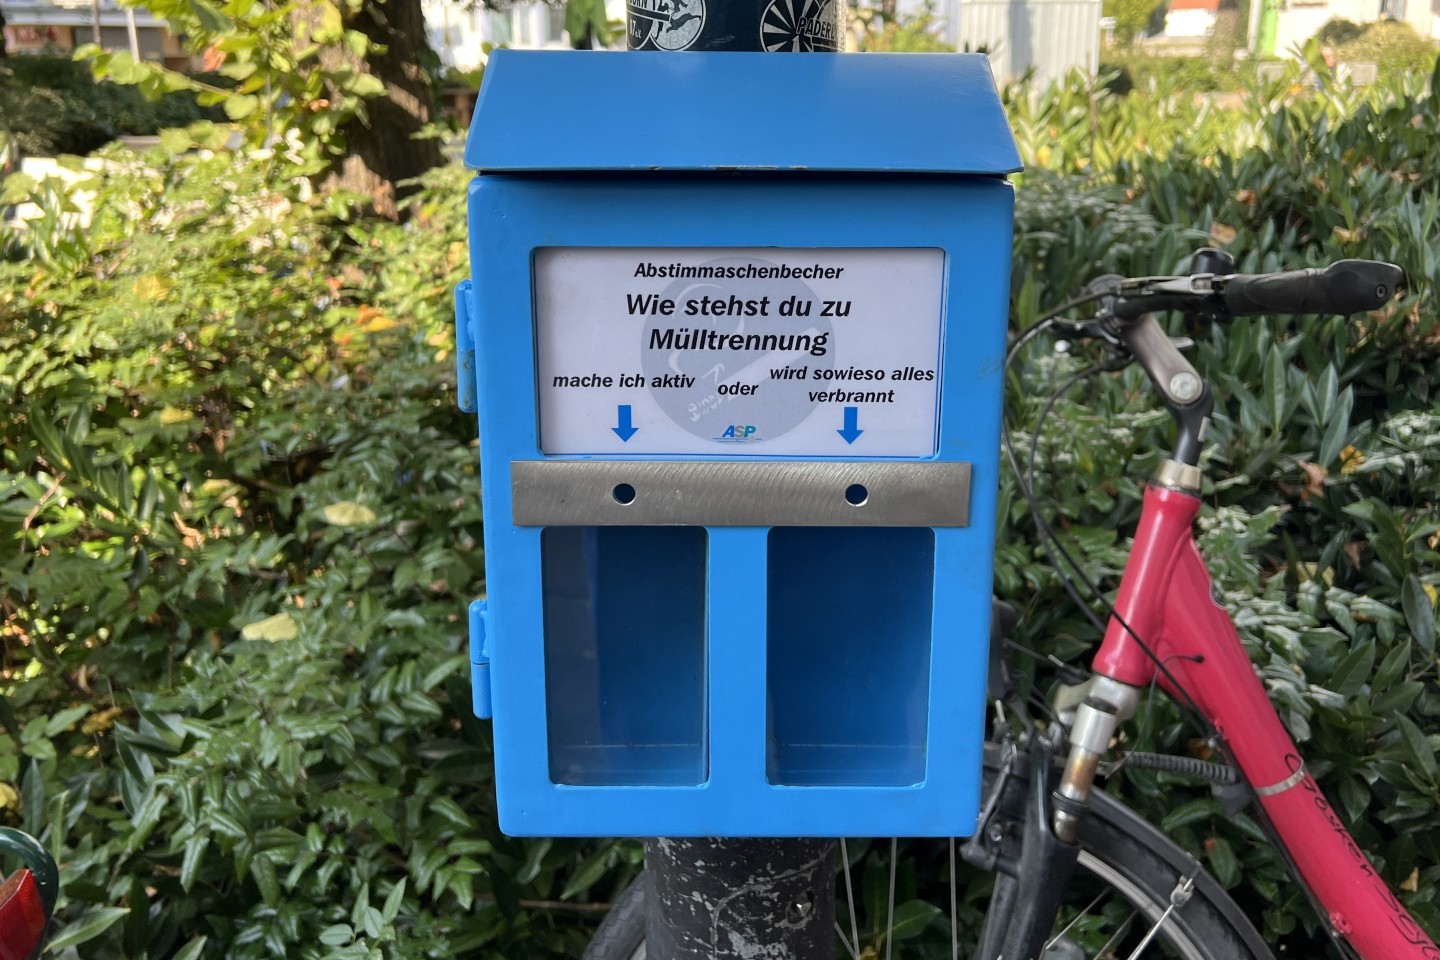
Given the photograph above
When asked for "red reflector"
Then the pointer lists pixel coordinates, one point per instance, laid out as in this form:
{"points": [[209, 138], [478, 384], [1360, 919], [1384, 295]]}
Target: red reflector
{"points": [[22, 916]]}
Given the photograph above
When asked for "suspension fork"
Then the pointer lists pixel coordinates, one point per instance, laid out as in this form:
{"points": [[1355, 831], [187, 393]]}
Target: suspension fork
{"points": [[1030, 886]]}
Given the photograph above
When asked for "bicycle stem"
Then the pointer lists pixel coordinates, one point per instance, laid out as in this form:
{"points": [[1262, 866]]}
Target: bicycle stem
{"points": [[1108, 703], [1186, 394]]}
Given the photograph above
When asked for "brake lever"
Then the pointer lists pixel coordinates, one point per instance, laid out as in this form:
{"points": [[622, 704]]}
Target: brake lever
{"points": [[1194, 295]]}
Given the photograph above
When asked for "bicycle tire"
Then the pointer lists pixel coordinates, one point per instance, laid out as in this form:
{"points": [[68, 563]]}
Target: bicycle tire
{"points": [[1119, 848]]}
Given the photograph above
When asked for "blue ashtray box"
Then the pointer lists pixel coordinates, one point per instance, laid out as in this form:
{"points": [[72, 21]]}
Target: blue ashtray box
{"points": [[735, 336]]}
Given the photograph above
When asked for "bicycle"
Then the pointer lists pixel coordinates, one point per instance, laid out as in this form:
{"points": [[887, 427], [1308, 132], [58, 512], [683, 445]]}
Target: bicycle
{"points": [[1051, 840]]}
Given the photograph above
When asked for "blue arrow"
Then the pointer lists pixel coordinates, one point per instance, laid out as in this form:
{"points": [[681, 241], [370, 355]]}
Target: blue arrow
{"points": [[852, 430], [623, 429]]}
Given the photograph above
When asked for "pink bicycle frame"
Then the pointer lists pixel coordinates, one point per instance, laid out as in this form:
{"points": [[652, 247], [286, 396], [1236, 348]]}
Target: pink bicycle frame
{"points": [[1166, 598]]}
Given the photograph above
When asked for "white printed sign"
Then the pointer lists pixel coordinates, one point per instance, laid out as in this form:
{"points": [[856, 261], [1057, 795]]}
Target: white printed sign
{"points": [[738, 351]]}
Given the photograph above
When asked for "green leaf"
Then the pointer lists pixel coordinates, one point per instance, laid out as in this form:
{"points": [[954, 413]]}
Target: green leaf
{"points": [[87, 927], [337, 935], [370, 919], [1419, 613], [241, 105], [1400, 697], [357, 43], [331, 25], [275, 629], [1416, 744], [1337, 429], [911, 919], [364, 85], [147, 818], [1188, 813], [588, 873], [210, 17], [348, 513], [123, 68], [535, 851], [393, 901], [1354, 796], [1352, 672], [225, 825], [1223, 862], [32, 795], [192, 950], [65, 719], [191, 859], [263, 871], [443, 670], [1391, 669], [1276, 381]]}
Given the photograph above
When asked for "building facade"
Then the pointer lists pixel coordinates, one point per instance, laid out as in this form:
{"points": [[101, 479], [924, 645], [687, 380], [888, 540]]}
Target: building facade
{"points": [[59, 26]]}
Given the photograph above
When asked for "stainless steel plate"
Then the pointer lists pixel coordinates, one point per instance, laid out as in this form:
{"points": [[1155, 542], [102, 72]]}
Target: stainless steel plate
{"points": [[740, 493]]}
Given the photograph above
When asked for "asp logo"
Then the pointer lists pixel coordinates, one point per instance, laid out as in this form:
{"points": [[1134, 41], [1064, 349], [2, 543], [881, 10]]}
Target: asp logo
{"points": [[739, 433]]}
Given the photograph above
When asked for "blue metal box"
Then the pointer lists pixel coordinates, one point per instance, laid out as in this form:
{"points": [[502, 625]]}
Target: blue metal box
{"points": [[735, 336]]}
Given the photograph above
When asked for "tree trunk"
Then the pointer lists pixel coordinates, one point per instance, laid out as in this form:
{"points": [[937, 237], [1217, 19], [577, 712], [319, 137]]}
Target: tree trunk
{"points": [[381, 151]]}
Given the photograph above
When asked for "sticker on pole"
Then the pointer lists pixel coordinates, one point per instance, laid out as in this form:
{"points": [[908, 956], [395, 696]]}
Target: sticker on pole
{"points": [[738, 351]]}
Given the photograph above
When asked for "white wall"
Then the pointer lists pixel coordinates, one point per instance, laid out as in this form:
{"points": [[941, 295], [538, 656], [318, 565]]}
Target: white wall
{"points": [[1189, 23], [1052, 36]]}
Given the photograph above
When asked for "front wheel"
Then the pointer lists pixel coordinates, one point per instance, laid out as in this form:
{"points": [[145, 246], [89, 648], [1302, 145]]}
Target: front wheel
{"points": [[1135, 894]]}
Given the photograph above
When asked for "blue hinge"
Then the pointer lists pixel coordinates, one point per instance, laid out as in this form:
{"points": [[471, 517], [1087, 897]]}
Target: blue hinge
{"points": [[480, 662], [464, 349]]}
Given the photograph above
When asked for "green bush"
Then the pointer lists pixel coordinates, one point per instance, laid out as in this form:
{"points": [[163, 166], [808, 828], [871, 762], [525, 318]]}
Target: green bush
{"points": [[1196, 74], [51, 105], [240, 528], [1393, 45]]}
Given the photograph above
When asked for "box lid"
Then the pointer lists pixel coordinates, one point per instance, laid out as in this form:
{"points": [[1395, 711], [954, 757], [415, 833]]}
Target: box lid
{"points": [[570, 111]]}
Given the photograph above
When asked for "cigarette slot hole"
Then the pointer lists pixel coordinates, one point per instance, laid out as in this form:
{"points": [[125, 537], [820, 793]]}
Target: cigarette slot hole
{"points": [[624, 494], [856, 494]]}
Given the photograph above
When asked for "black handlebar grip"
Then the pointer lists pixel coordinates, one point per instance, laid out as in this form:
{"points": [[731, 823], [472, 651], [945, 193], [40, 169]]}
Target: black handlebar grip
{"points": [[1346, 286]]}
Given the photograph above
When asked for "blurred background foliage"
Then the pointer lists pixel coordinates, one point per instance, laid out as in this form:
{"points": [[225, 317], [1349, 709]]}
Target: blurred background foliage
{"points": [[52, 105], [239, 523]]}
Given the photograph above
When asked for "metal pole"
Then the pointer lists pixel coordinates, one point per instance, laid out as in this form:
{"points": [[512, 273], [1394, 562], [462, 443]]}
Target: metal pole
{"points": [[734, 899], [134, 34]]}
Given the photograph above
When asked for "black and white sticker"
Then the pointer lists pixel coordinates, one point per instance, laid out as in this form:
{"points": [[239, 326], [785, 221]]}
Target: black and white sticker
{"points": [[801, 26], [665, 24]]}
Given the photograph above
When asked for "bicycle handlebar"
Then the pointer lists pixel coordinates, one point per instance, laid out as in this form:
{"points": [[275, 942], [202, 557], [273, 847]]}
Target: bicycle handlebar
{"points": [[1126, 319], [1346, 286]]}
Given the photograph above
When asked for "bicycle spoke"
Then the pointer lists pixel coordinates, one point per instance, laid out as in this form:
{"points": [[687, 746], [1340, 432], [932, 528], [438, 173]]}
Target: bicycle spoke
{"points": [[1076, 919], [890, 918], [1115, 938], [1178, 896], [840, 932], [850, 896], [954, 909]]}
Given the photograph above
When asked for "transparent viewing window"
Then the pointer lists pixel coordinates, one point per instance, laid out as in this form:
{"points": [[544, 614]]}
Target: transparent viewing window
{"points": [[848, 655], [624, 611]]}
